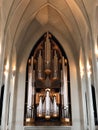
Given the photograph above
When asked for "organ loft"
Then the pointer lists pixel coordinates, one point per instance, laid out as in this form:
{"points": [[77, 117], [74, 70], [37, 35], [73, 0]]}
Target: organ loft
{"points": [[47, 84]]}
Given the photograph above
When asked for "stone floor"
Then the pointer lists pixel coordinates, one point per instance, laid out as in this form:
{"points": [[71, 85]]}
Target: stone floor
{"points": [[47, 128]]}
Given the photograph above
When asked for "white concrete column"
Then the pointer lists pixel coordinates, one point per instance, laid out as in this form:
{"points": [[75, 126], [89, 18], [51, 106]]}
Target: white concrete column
{"points": [[1, 66], [0, 57], [96, 92], [4, 120], [19, 100], [75, 106], [90, 103], [11, 109], [84, 102], [0, 70]]}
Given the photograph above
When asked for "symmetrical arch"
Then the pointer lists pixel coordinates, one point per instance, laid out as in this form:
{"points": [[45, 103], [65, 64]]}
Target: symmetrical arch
{"points": [[23, 23]]}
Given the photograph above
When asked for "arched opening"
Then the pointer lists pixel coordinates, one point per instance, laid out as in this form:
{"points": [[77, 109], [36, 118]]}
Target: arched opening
{"points": [[94, 104], [1, 101], [47, 100]]}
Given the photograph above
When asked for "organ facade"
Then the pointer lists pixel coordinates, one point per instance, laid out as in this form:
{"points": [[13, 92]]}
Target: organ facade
{"points": [[47, 85]]}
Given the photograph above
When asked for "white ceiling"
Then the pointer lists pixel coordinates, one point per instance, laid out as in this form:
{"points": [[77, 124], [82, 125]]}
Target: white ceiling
{"points": [[23, 18]]}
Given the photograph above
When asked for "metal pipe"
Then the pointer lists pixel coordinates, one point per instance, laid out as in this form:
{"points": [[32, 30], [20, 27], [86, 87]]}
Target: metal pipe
{"points": [[65, 88], [47, 112], [29, 98]]}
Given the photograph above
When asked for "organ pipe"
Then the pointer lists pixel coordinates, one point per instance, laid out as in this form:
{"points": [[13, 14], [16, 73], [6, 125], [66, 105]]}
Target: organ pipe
{"points": [[62, 95], [40, 112], [40, 66], [32, 63], [33, 87], [61, 82], [29, 99], [44, 107], [47, 79], [31, 90], [55, 107], [55, 63], [40, 62], [47, 112], [47, 54], [65, 87]]}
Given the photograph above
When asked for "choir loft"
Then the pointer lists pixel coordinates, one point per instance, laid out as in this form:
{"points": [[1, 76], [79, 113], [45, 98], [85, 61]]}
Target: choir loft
{"points": [[47, 84]]}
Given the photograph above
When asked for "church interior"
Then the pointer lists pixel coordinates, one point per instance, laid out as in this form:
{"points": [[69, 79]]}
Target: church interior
{"points": [[48, 65]]}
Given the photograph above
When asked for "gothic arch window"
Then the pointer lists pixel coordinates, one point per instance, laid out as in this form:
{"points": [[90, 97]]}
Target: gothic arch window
{"points": [[47, 100]]}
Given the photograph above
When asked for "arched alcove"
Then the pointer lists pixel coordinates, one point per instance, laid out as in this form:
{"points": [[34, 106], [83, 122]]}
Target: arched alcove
{"points": [[1, 101], [47, 100], [94, 104], [21, 78]]}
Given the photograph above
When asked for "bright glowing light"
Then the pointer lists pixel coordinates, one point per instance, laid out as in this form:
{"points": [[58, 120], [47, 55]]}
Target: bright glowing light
{"points": [[27, 119], [96, 52], [88, 68], [14, 68], [81, 69], [82, 72], [6, 69], [67, 120], [13, 71]]}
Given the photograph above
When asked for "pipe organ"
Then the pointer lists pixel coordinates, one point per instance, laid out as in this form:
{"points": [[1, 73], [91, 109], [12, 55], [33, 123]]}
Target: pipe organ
{"points": [[47, 85]]}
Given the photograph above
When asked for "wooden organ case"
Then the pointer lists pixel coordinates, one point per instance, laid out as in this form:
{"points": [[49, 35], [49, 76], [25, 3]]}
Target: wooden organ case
{"points": [[47, 85]]}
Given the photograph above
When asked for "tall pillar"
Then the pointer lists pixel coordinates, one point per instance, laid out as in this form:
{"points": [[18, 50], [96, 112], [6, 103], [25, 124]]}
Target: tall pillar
{"points": [[91, 124], [11, 110], [4, 120], [96, 90], [84, 101], [1, 65]]}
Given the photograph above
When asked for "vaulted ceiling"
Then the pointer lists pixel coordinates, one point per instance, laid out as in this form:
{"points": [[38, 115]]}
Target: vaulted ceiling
{"points": [[22, 19]]}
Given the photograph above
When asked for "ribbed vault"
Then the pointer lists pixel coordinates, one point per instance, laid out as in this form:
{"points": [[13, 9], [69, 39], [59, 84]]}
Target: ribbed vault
{"points": [[31, 15]]}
